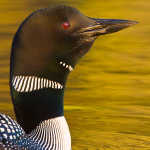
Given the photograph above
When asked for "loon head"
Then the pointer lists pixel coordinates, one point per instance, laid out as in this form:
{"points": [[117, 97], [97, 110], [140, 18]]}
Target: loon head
{"points": [[46, 47], [51, 41]]}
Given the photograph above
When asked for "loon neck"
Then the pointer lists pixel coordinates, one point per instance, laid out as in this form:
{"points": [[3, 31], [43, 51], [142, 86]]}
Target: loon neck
{"points": [[36, 99]]}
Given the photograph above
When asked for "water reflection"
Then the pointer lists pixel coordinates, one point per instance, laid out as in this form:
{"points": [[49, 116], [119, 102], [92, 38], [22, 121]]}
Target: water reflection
{"points": [[107, 97]]}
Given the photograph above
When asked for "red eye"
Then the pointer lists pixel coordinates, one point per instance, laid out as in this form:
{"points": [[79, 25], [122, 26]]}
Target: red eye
{"points": [[65, 25]]}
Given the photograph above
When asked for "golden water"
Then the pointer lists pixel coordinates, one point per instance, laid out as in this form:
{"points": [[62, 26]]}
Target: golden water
{"points": [[107, 100]]}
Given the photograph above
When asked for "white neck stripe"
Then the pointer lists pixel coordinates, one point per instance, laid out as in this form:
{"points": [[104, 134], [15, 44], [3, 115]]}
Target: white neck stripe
{"points": [[65, 65], [33, 83]]}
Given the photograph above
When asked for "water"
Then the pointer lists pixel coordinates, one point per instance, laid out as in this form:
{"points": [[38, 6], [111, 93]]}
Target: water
{"points": [[107, 101]]}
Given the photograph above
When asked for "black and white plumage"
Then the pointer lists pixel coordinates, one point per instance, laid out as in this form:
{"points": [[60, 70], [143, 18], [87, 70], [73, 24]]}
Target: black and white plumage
{"points": [[12, 136], [57, 132], [52, 134], [33, 83], [45, 49]]}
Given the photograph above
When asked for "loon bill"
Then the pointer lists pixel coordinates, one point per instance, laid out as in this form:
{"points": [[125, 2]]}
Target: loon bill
{"points": [[45, 49]]}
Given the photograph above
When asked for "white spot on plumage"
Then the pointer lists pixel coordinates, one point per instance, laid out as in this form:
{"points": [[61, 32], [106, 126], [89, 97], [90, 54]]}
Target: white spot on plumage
{"points": [[8, 130], [2, 129], [2, 121], [14, 136], [5, 136], [13, 131], [64, 64], [6, 125]]}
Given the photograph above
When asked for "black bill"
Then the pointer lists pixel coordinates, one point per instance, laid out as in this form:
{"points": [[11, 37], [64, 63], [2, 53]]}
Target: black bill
{"points": [[106, 26]]}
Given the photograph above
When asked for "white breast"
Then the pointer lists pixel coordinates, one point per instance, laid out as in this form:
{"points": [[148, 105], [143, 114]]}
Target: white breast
{"points": [[53, 134]]}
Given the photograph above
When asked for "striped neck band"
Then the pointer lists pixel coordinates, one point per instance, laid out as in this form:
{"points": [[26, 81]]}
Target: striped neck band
{"points": [[33, 83], [66, 66]]}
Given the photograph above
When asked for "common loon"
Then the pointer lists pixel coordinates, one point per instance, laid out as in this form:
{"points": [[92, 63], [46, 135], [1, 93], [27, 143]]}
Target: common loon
{"points": [[45, 49]]}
